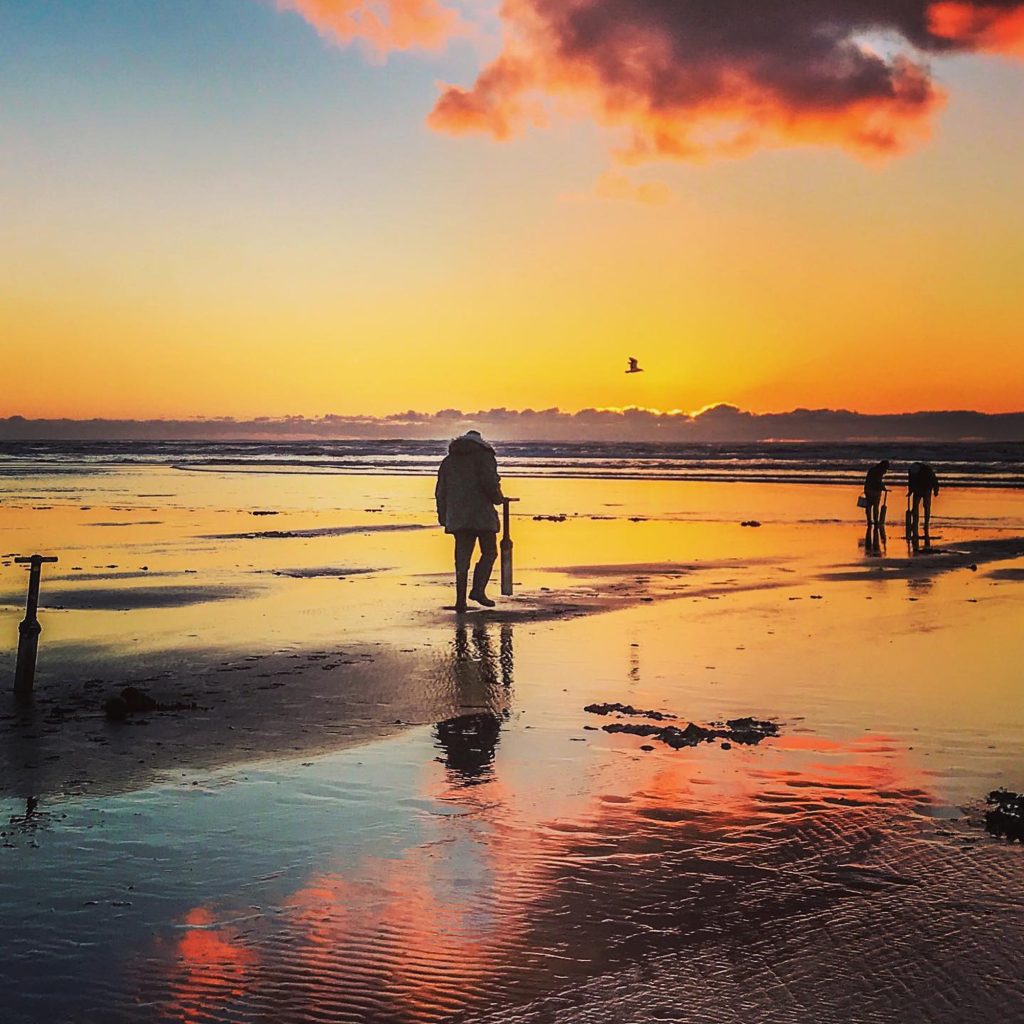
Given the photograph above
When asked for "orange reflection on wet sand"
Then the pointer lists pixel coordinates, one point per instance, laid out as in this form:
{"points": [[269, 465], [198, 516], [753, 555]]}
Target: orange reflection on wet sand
{"points": [[496, 899], [213, 967]]}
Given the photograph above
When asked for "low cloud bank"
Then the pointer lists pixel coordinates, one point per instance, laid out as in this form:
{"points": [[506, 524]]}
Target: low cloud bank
{"points": [[719, 423]]}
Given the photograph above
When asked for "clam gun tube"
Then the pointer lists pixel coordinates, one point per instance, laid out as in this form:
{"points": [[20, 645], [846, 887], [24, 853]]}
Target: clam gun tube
{"points": [[506, 551], [29, 630]]}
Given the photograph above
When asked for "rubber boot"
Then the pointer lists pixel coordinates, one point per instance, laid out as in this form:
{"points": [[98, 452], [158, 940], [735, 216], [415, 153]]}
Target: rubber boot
{"points": [[480, 576]]}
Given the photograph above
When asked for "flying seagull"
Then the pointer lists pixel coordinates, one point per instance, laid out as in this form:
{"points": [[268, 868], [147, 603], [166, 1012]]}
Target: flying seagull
{"points": [[633, 366]]}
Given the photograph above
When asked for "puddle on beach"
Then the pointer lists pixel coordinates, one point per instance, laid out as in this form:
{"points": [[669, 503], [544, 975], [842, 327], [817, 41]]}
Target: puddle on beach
{"points": [[432, 828]]}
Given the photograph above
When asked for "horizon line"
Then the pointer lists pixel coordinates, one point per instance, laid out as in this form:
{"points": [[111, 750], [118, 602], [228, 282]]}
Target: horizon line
{"points": [[719, 423]]}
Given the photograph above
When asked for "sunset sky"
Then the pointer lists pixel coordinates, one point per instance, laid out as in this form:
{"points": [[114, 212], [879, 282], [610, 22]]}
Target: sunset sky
{"points": [[250, 207]]}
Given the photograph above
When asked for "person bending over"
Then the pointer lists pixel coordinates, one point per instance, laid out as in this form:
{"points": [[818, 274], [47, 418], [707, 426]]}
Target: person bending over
{"points": [[874, 487], [468, 488], [922, 483]]}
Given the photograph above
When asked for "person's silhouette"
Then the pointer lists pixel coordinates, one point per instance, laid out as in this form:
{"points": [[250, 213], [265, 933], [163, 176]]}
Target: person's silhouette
{"points": [[468, 488], [922, 484], [874, 488]]}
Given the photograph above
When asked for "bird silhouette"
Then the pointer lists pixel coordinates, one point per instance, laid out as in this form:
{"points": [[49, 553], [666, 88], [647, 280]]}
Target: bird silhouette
{"points": [[633, 366]]}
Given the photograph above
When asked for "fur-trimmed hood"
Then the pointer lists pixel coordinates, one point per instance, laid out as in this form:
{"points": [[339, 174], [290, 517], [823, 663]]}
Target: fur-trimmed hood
{"points": [[468, 443]]}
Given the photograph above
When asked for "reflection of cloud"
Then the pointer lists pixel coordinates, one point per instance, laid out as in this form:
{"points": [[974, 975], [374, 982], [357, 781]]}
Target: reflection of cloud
{"points": [[517, 889], [213, 967], [717, 423]]}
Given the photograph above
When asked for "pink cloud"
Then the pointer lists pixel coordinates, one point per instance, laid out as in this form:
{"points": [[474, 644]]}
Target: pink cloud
{"points": [[382, 25]]}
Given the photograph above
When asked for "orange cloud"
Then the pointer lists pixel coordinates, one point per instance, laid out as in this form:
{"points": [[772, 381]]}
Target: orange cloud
{"points": [[999, 29], [690, 80], [384, 25], [498, 104]]}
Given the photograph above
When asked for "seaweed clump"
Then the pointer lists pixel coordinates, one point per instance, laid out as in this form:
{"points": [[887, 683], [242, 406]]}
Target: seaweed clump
{"points": [[627, 709], [1006, 818], [745, 731]]}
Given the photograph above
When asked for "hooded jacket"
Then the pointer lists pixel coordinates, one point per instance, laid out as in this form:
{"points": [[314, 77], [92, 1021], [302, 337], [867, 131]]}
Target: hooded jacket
{"points": [[468, 487]]}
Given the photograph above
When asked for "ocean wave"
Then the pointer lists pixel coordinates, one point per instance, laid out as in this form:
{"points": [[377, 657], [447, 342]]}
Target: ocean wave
{"points": [[965, 464]]}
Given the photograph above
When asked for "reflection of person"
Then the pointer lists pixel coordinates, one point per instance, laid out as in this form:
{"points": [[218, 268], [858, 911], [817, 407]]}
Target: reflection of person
{"points": [[875, 539], [468, 488], [874, 487], [469, 744], [507, 657], [469, 741], [922, 483], [474, 664]]}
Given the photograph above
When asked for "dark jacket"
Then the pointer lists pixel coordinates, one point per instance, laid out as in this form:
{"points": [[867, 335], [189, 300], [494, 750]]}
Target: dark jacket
{"points": [[921, 480], [874, 482], [468, 488]]}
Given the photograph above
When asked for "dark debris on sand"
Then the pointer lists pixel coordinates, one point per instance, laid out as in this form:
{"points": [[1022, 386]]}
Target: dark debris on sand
{"points": [[745, 731], [132, 700], [1007, 815], [627, 709]]}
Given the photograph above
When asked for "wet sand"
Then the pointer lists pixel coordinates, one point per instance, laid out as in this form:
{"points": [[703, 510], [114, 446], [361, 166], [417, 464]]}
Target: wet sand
{"points": [[376, 812]]}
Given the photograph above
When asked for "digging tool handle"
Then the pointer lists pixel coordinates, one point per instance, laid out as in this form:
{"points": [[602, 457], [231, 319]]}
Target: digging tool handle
{"points": [[506, 550], [505, 516], [35, 563], [29, 629]]}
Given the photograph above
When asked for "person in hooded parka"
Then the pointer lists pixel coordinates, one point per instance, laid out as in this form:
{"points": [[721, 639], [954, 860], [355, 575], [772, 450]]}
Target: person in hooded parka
{"points": [[468, 488]]}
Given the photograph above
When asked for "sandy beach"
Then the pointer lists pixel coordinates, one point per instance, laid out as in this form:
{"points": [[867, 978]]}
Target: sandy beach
{"points": [[352, 805]]}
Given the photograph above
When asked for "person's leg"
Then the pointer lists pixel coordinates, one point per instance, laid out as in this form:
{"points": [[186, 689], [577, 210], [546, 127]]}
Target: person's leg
{"points": [[875, 510], [482, 572], [927, 512], [464, 542], [915, 515]]}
